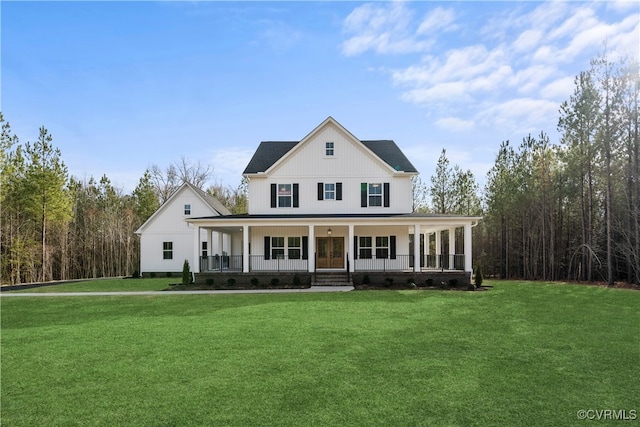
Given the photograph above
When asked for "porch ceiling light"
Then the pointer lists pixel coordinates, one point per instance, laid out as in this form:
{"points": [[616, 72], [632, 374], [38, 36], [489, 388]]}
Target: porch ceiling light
{"points": [[329, 231]]}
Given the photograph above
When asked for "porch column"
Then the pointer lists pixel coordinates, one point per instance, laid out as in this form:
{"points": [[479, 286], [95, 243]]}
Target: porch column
{"points": [[195, 261], [209, 248], [311, 261], [468, 266], [352, 248], [438, 248], [452, 248], [416, 248], [220, 243], [245, 248]]}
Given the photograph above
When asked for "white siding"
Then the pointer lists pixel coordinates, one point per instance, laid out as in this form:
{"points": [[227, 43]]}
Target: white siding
{"points": [[168, 225], [351, 164]]}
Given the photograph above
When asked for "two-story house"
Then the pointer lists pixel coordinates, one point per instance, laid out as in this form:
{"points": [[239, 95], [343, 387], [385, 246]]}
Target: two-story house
{"points": [[331, 202]]}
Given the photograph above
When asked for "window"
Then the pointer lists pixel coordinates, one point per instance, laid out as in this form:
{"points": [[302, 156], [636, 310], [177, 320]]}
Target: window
{"points": [[329, 191], [284, 195], [187, 209], [204, 249], [293, 247], [365, 248], [382, 247], [329, 149], [375, 194], [277, 248], [167, 250]]}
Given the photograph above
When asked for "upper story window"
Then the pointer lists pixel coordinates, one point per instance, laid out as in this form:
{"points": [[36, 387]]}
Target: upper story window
{"points": [[284, 195], [328, 150], [374, 194], [329, 191], [187, 209]]}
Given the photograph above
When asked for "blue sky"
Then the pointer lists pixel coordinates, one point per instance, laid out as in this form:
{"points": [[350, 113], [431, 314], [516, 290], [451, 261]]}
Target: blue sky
{"points": [[123, 85]]}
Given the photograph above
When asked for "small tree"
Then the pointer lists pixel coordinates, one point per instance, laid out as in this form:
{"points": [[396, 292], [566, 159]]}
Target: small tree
{"points": [[186, 273], [479, 277]]}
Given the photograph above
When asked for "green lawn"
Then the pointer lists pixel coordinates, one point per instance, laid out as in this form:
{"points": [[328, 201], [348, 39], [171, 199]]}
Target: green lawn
{"points": [[519, 354], [108, 285]]}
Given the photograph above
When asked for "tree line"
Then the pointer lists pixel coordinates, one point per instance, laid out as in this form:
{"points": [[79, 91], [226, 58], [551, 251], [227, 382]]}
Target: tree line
{"points": [[563, 211], [54, 226], [568, 210]]}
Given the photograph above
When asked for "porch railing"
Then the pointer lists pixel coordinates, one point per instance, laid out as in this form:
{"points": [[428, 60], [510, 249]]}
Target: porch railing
{"points": [[405, 262], [281, 263], [221, 263], [233, 263]]}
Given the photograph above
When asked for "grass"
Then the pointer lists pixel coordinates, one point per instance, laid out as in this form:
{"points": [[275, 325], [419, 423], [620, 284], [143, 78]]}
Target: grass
{"points": [[519, 354], [108, 285]]}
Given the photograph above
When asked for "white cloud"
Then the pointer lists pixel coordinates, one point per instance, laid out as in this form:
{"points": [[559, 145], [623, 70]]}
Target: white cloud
{"points": [[390, 29], [455, 124], [437, 19], [512, 74], [558, 89]]}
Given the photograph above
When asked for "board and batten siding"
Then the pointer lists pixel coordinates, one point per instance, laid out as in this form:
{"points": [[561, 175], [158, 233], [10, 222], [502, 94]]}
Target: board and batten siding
{"points": [[352, 164], [169, 226]]}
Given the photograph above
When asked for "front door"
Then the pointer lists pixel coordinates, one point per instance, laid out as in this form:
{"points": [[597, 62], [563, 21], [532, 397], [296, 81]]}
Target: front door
{"points": [[330, 252]]}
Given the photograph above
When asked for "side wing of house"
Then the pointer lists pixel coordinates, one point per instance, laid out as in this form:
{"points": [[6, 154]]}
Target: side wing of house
{"points": [[330, 172], [166, 240]]}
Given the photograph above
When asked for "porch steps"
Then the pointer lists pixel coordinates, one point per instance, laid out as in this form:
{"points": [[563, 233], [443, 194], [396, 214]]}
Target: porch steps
{"points": [[330, 279]]}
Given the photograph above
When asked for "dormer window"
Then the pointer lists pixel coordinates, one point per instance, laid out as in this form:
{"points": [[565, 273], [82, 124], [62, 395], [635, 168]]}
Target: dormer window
{"points": [[187, 209], [328, 149]]}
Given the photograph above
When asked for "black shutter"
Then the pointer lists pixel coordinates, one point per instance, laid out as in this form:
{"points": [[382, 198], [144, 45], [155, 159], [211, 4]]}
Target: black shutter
{"points": [[295, 196], [305, 247], [392, 247], [386, 195], [355, 247], [274, 196], [320, 191], [267, 247], [338, 191], [363, 195]]}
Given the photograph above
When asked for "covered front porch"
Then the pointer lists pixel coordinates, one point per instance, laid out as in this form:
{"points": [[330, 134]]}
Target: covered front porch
{"points": [[349, 243]]}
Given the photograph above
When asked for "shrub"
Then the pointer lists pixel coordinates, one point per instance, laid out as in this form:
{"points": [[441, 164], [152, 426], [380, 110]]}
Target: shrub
{"points": [[296, 280], [255, 281], [443, 285], [479, 277], [388, 282], [429, 281], [472, 287], [169, 274], [152, 275], [412, 285], [186, 273], [135, 275], [275, 282], [453, 283], [366, 279], [209, 281], [231, 281]]}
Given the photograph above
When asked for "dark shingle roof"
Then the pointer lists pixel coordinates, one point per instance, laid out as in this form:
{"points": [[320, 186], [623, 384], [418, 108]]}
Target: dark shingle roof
{"points": [[269, 152], [388, 151]]}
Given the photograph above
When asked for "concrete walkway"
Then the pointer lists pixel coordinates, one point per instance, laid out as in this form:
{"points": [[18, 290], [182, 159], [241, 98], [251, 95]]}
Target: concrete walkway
{"points": [[124, 293]]}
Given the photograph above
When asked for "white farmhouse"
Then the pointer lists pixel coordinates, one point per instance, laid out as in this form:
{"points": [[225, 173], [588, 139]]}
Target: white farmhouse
{"points": [[327, 203]]}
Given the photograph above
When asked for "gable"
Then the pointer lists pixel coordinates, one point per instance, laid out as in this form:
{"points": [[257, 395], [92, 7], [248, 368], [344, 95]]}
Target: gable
{"points": [[383, 154], [171, 215]]}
